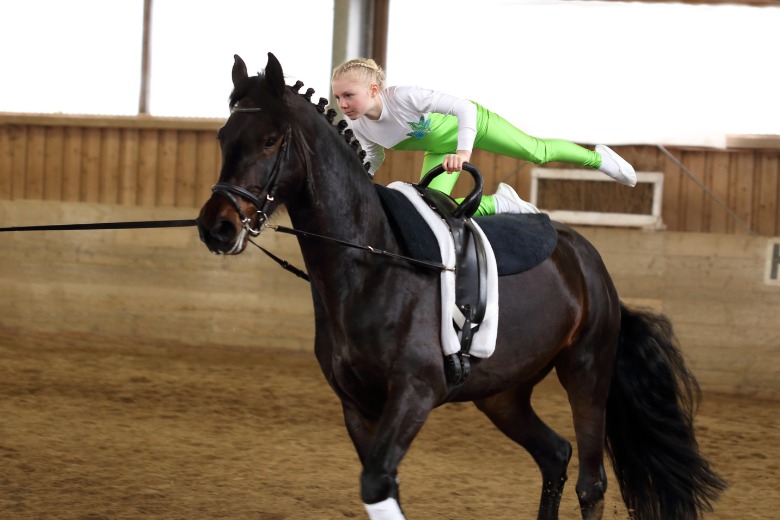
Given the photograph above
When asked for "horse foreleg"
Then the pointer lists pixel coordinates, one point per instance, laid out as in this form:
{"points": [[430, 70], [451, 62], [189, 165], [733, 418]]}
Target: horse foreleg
{"points": [[403, 415], [361, 430]]}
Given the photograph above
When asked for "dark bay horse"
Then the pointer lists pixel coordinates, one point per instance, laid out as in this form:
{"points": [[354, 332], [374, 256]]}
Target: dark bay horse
{"points": [[378, 329]]}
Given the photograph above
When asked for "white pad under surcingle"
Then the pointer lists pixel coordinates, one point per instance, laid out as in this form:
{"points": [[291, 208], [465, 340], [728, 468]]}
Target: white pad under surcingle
{"points": [[484, 340]]}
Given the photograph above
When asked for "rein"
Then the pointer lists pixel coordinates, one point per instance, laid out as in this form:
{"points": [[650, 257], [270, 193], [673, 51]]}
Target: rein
{"points": [[150, 224], [425, 263], [144, 224]]}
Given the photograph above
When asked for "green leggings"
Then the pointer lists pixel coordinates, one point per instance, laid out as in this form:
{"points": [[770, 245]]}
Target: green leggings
{"points": [[496, 135]]}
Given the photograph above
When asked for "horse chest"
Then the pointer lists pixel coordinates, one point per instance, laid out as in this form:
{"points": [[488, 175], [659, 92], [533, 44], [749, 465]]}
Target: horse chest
{"points": [[360, 383]]}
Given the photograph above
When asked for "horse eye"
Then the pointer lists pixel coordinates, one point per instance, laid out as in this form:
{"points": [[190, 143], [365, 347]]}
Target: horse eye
{"points": [[270, 142]]}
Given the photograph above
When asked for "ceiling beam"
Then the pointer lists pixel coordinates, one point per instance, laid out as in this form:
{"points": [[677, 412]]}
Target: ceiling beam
{"points": [[146, 59], [359, 31]]}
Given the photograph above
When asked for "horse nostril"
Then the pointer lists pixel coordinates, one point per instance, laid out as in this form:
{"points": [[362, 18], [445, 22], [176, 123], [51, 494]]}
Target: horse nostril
{"points": [[224, 230]]}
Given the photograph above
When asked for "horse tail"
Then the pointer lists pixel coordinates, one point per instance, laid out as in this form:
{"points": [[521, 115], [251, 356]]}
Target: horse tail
{"points": [[649, 427]]}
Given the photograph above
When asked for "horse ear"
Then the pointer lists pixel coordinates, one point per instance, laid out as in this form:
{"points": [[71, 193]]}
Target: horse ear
{"points": [[239, 70], [274, 75]]}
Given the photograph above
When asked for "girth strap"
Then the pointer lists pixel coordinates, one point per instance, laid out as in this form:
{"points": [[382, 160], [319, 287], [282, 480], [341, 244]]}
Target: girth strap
{"points": [[470, 271], [471, 258]]}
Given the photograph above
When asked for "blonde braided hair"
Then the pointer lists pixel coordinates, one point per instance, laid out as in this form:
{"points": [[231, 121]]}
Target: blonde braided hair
{"points": [[364, 69]]}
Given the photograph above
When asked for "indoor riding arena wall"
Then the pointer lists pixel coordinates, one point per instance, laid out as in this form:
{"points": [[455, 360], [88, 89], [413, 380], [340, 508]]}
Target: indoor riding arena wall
{"points": [[709, 270]]}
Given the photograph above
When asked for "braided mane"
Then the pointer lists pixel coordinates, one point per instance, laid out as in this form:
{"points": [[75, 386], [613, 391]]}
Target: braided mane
{"points": [[330, 115], [256, 88]]}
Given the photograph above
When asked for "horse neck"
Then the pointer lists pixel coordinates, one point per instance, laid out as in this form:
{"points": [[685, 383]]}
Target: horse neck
{"points": [[338, 201]]}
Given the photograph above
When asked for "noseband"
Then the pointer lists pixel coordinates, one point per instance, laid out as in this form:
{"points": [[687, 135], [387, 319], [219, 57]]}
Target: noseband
{"points": [[230, 191]]}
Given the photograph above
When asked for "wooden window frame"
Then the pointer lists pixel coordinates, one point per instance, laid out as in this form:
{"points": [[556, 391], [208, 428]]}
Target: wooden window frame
{"points": [[651, 221]]}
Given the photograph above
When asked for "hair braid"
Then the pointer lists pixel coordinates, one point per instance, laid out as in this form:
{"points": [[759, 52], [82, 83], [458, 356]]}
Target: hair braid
{"points": [[365, 69]]}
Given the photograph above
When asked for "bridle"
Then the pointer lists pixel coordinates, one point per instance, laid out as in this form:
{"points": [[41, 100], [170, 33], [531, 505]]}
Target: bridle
{"points": [[230, 191]]}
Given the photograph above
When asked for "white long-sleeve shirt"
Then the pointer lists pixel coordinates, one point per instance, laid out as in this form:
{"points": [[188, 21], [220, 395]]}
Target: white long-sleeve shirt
{"points": [[405, 111]]}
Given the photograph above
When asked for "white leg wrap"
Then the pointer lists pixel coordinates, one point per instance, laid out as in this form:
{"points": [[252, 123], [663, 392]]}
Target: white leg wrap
{"points": [[387, 509]]}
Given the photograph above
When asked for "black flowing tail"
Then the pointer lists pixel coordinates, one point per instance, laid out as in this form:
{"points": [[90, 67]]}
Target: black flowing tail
{"points": [[650, 435]]}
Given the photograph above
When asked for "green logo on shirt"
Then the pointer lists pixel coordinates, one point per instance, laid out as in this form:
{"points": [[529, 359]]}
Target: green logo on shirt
{"points": [[420, 129]]}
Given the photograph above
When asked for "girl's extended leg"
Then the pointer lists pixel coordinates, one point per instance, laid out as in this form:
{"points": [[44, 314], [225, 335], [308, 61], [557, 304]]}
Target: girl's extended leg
{"points": [[497, 135]]}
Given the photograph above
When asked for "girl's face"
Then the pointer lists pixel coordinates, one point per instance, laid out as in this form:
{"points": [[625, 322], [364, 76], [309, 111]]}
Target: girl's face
{"points": [[356, 98]]}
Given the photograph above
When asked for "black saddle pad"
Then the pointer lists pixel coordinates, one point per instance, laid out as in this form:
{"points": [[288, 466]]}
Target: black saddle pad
{"points": [[519, 241]]}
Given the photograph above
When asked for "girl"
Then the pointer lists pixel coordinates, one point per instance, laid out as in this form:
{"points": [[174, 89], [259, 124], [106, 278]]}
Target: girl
{"points": [[447, 128]]}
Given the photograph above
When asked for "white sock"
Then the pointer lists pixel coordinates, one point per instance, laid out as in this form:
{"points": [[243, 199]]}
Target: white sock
{"points": [[615, 166], [387, 509], [506, 205], [609, 166]]}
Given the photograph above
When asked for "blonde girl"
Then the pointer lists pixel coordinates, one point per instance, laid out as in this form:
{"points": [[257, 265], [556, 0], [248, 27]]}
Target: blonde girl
{"points": [[447, 129]]}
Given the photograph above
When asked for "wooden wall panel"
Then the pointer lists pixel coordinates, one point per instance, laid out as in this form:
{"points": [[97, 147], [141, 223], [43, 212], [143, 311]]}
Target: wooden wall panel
{"points": [[6, 162], [110, 161], [90, 165], [173, 162], [400, 166], [186, 170], [71, 167], [148, 150], [166, 168], [128, 167], [206, 167], [775, 160], [36, 146], [765, 197], [671, 209], [53, 155], [492, 167], [691, 192], [743, 188], [18, 173], [718, 216], [518, 176]]}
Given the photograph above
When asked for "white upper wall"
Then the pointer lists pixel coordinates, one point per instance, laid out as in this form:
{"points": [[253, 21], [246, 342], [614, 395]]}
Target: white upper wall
{"points": [[595, 72], [588, 71]]}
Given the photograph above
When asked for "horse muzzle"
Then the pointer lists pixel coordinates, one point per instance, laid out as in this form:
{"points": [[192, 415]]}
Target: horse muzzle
{"points": [[221, 229], [223, 238]]}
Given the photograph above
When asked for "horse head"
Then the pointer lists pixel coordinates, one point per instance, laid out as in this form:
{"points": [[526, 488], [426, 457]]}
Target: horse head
{"points": [[264, 158]]}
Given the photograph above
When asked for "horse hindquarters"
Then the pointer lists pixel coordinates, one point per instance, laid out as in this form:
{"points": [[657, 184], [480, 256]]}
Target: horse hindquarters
{"points": [[650, 435]]}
